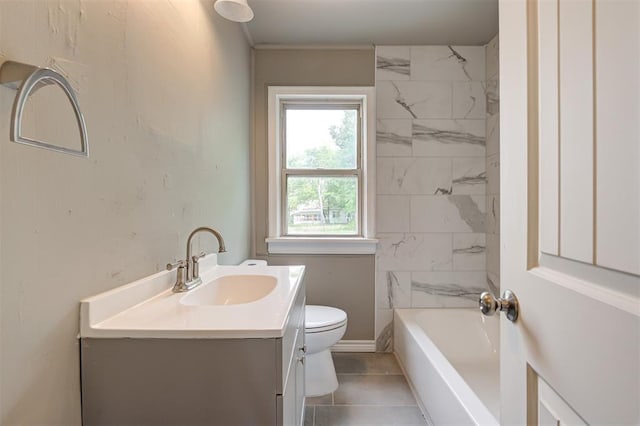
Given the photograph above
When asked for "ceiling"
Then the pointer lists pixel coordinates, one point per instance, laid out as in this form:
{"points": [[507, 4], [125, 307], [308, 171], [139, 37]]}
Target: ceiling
{"points": [[381, 22]]}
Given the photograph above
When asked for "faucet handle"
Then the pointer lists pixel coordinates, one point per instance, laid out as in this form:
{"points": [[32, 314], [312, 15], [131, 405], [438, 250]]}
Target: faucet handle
{"points": [[180, 276], [178, 264], [196, 266], [198, 256]]}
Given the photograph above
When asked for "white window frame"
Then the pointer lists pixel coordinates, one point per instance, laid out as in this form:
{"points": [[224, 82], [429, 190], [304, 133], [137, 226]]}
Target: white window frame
{"points": [[276, 242], [357, 171]]}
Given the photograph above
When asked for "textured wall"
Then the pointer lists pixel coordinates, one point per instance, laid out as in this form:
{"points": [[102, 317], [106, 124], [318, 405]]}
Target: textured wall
{"points": [[431, 180], [343, 281], [493, 166], [164, 86]]}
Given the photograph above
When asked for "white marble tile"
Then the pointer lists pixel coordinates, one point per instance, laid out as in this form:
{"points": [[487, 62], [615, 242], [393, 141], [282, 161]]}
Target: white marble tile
{"points": [[414, 252], [393, 289], [492, 95], [493, 254], [469, 252], [437, 133], [393, 213], [469, 100], [493, 214], [413, 99], [448, 63], [393, 62], [384, 330], [448, 213], [430, 99], [449, 138], [394, 138], [493, 282], [386, 105], [413, 175], [469, 175], [492, 59], [447, 289], [493, 174], [493, 134]]}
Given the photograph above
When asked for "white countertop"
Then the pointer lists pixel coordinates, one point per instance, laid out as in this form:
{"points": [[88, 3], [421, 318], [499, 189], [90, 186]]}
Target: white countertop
{"points": [[148, 308]]}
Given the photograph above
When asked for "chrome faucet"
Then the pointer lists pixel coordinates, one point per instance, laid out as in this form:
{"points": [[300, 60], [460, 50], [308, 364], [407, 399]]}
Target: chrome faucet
{"points": [[188, 276]]}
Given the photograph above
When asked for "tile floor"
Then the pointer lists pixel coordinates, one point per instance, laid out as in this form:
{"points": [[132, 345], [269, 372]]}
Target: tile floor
{"points": [[372, 391]]}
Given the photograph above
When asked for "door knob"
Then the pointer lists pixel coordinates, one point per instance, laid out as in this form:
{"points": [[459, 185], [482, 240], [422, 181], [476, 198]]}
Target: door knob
{"points": [[508, 304]]}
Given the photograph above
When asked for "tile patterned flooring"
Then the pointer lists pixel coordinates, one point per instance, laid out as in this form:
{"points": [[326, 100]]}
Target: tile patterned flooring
{"points": [[372, 391]]}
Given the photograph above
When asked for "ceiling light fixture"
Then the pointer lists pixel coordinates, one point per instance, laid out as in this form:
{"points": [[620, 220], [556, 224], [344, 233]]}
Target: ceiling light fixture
{"points": [[234, 10]]}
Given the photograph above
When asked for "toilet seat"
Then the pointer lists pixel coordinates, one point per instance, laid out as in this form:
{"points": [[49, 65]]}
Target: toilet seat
{"points": [[319, 319], [327, 328]]}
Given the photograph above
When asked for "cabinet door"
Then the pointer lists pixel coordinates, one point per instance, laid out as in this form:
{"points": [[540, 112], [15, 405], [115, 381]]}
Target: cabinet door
{"points": [[289, 400], [293, 396], [300, 375]]}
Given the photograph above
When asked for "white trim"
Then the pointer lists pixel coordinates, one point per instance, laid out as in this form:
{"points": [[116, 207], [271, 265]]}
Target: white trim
{"points": [[321, 245], [367, 95], [624, 302], [354, 346]]}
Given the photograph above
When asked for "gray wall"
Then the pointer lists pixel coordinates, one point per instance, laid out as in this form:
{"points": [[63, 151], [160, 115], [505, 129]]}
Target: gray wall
{"points": [[342, 281], [165, 90]]}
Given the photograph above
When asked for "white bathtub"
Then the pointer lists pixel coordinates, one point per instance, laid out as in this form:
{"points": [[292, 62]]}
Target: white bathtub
{"points": [[451, 358]]}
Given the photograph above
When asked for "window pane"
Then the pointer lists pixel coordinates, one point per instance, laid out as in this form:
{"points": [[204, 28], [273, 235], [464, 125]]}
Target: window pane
{"points": [[321, 138], [322, 205]]}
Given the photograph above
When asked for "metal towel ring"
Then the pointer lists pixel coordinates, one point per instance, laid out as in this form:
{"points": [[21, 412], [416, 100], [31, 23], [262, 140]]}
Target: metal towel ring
{"points": [[32, 77]]}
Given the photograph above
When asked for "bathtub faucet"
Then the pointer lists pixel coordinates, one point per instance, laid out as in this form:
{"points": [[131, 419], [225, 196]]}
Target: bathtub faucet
{"points": [[188, 276]]}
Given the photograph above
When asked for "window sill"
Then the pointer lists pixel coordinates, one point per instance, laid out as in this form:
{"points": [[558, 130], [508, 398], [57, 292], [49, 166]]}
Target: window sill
{"points": [[321, 245]]}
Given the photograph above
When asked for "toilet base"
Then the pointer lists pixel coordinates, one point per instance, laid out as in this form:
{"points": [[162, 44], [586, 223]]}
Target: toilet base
{"points": [[320, 374]]}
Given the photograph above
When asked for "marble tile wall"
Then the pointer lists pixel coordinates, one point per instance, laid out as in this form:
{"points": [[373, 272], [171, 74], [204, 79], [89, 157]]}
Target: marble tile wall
{"points": [[493, 166], [432, 202]]}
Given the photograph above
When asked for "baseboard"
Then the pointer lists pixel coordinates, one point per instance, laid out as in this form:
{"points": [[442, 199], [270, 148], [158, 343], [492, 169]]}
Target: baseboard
{"points": [[354, 346]]}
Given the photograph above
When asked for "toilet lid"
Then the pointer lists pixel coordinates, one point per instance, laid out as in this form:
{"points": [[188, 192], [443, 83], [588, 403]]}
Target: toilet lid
{"points": [[323, 316]]}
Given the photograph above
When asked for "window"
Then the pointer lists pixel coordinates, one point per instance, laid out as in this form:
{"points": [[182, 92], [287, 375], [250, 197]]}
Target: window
{"points": [[320, 169]]}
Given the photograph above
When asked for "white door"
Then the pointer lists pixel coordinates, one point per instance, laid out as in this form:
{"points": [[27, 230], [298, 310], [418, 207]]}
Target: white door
{"points": [[570, 161]]}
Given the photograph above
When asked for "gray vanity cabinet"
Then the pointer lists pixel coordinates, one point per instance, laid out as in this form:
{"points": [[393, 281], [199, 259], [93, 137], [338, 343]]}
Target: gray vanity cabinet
{"points": [[189, 382]]}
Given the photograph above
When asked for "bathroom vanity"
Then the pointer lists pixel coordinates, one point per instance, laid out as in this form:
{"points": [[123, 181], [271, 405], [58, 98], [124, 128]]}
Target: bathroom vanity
{"points": [[229, 352]]}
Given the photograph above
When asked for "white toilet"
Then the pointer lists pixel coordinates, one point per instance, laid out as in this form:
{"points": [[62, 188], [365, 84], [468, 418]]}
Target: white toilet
{"points": [[324, 326]]}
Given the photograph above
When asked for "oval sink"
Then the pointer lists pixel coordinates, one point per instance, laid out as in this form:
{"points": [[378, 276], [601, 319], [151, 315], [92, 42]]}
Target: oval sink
{"points": [[231, 290]]}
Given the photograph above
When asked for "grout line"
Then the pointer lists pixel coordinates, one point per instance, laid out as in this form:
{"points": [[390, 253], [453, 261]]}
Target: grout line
{"points": [[371, 374], [367, 405], [381, 404]]}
